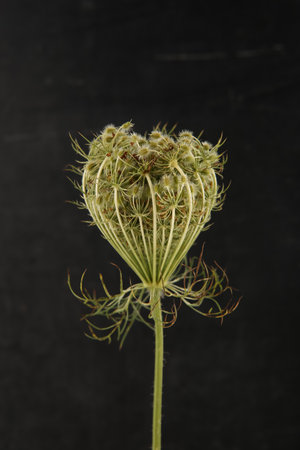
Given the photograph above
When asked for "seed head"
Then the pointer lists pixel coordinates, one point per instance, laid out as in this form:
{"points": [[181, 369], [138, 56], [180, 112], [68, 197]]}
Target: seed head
{"points": [[128, 177], [151, 196], [145, 152]]}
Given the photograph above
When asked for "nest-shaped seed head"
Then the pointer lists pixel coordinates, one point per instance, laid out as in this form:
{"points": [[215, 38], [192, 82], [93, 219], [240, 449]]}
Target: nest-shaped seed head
{"points": [[150, 195]]}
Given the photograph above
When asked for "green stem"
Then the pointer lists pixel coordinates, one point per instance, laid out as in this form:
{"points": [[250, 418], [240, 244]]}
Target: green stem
{"points": [[158, 368]]}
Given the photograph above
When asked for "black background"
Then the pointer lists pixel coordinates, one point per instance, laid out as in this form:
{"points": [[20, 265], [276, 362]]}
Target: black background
{"points": [[69, 66]]}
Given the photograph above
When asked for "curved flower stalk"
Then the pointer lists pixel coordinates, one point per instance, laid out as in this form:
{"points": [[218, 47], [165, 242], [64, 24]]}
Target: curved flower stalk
{"points": [[151, 196]]}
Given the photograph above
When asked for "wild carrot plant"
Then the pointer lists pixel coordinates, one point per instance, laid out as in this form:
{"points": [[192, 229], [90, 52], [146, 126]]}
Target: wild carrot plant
{"points": [[150, 196]]}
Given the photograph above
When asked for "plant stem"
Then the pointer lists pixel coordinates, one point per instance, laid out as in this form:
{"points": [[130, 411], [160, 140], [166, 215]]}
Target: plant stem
{"points": [[158, 368]]}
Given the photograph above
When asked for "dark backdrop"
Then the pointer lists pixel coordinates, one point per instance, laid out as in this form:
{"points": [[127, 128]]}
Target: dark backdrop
{"points": [[69, 66]]}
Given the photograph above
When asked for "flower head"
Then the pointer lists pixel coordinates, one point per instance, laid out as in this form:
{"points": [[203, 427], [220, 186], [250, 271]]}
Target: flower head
{"points": [[151, 196]]}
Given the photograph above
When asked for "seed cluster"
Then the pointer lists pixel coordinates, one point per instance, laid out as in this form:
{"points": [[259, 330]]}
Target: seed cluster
{"points": [[150, 195]]}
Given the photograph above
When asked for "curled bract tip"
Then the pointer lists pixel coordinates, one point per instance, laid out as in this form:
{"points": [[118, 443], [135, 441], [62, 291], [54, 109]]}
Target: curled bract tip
{"points": [[205, 289]]}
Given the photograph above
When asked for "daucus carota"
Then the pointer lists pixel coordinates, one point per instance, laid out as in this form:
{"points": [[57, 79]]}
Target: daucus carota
{"points": [[150, 196]]}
